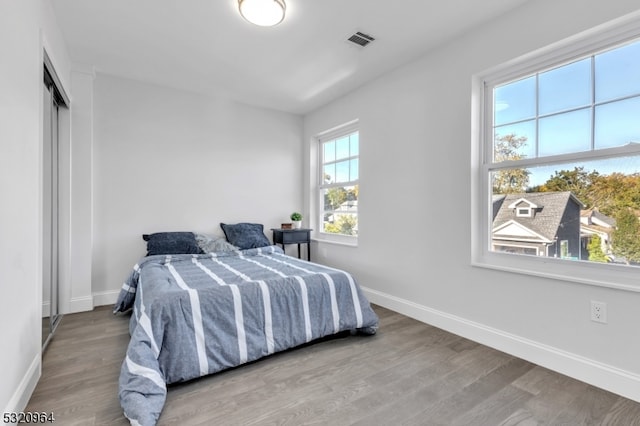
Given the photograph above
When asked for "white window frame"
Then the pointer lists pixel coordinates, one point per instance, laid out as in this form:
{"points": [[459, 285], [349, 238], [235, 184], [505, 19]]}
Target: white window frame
{"points": [[334, 133], [591, 273]]}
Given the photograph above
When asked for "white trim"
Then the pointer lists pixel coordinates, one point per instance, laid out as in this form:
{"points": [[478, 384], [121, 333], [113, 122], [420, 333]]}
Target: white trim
{"points": [[81, 304], [495, 232], [105, 297], [601, 375], [596, 39], [335, 132], [46, 308], [22, 395], [551, 268], [320, 239], [337, 239], [48, 64], [514, 205], [319, 139]]}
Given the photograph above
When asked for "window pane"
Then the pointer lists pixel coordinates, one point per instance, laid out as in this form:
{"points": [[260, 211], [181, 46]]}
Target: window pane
{"points": [[342, 171], [515, 141], [564, 249], [617, 123], [329, 173], [342, 148], [329, 152], [353, 170], [353, 143], [515, 101], [565, 133], [340, 214], [565, 88], [618, 72], [328, 206], [579, 211]]}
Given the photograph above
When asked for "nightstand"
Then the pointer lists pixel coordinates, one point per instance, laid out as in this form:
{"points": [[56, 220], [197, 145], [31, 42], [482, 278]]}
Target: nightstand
{"points": [[293, 236]]}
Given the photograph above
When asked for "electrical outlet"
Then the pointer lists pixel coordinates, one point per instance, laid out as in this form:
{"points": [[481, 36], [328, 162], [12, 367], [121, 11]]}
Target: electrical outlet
{"points": [[598, 312]]}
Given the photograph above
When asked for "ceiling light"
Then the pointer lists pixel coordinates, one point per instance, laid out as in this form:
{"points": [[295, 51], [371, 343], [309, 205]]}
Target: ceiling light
{"points": [[265, 13]]}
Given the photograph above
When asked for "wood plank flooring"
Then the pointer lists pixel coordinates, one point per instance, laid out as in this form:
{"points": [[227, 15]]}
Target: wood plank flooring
{"points": [[408, 374]]}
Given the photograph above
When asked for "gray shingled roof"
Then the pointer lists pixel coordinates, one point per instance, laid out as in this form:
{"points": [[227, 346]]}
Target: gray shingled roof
{"points": [[551, 206], [596, 214]]}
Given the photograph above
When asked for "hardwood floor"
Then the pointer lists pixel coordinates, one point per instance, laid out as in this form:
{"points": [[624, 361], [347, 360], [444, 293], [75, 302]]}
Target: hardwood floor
{"points": [[408, 374]]}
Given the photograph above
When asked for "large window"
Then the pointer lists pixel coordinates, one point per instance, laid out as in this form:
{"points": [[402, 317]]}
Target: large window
{"points": [[338, 182], [558, 176]]}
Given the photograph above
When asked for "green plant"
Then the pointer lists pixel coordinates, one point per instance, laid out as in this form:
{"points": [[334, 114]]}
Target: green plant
{"points": [[296, 216]]}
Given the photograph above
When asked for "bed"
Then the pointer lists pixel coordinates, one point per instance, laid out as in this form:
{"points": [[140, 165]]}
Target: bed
{"points": [[204, 309]]}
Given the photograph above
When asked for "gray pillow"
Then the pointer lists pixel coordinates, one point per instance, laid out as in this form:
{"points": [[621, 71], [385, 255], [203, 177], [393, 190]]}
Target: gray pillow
{"points": [[245, 235], [213, 244]]}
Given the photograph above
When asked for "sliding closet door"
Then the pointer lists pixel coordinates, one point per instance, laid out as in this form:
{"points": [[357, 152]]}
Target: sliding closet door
{"points": [[51, 105]]}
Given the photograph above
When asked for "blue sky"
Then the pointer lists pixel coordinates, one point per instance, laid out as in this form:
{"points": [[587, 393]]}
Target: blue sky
{"points": [[339, 153], [592, 103]]}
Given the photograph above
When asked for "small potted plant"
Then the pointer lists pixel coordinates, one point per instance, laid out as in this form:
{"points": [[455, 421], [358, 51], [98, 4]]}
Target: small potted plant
{"points": [[296, 218]]}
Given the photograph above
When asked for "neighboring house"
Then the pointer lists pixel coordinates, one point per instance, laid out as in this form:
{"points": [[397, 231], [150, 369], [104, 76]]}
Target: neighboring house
{"points": [[347, 208], [540, 224], [595, 223]]}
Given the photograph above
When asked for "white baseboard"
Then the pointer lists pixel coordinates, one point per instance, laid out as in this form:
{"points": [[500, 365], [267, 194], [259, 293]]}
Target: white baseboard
{"points": [[77, 304], [46, 308], [21, 396], [105, 298], [80, 304], [612, 379], [86, 303]]}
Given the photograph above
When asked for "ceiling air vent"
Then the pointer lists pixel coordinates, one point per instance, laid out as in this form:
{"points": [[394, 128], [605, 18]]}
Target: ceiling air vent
{"points": [[361, 39]]}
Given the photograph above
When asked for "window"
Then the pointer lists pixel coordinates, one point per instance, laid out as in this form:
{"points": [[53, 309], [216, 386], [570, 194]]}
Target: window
{"points": [[338, 183], [557, 181]]}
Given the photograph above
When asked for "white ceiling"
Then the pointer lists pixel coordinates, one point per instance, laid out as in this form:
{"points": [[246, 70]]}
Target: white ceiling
{"points": [[205, 46]]}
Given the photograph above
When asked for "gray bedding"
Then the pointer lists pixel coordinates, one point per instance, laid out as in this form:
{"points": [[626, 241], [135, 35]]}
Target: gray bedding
{"points": [[195, 315]]}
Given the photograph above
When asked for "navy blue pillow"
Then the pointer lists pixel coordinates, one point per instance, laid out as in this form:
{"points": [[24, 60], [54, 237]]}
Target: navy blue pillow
{"points": [[171, 243], [245, 235]]}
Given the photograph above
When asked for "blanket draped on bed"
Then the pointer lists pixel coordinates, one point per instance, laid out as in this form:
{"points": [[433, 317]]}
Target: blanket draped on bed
{"points": [[195, 315]]}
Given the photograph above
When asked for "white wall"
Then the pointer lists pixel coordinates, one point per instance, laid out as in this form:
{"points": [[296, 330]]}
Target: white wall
{"points": [[413, 253], [26, 27], [76, 293], [168, 160]]}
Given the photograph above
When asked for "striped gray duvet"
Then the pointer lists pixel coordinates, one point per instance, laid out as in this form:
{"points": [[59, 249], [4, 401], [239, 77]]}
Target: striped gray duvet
{"points": [[195, 315]]}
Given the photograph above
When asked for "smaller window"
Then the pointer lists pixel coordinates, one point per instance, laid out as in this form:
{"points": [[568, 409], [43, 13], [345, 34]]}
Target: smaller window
{"points": [[338, 182]]}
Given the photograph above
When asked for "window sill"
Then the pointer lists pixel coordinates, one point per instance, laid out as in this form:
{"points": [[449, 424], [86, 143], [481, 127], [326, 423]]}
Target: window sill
{"points": [[337, 243], [610, 276]]}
